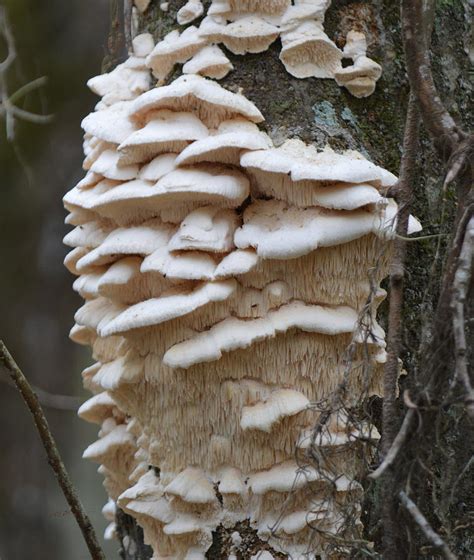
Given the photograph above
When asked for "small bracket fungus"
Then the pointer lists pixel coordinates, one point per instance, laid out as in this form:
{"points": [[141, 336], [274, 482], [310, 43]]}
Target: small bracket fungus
{"points": [[165, 131], [129, 79], [189, 12], [223, 279], [251, 27], [307, 51], [303, 10], [210, 62], [174, 48], [230, 140], [249, 34], [142, 5], [211, 103], [193, 486], [361, 77]]}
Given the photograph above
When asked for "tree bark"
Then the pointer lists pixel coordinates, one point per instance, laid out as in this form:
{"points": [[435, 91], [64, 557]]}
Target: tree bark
{"points": [[320, 112]]}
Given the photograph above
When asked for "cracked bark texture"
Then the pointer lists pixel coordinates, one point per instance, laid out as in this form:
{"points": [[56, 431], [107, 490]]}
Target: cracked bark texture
{"points": [[319, 112]]}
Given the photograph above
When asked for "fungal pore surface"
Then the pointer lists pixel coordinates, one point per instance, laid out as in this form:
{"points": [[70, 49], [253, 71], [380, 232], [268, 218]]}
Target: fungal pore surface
{"points": [[223, 279]]}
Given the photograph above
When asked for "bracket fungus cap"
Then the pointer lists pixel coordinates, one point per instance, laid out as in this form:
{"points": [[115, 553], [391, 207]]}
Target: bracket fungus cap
{"points": [[210, 62], [308, 52], [226, 145], [209, 101], [165, 131], [248, 34], [189, 12], [110, 124], [174, 48], [159, 310], [192, 485]]}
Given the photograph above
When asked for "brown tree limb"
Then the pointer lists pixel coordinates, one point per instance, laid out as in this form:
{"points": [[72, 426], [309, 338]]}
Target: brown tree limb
{"points": [[54, 458], [390, 415], [424, 525], [396, 446], [461, 284], [391, 370], [435, 358], [453, 145], [442, 323], [127, 24], [416, 41]]}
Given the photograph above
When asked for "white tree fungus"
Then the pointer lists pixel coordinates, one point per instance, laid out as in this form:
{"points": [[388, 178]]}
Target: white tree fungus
{"points": [[223, 278]]}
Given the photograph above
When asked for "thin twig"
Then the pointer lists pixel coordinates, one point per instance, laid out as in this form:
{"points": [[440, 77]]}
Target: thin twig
{"points": [[390, 415], [421, 237], [454, 145], [465, 469], [397, 445], [441, 334], [26, 115], [8, 36], [424, 525], [30, 86], [58, 402], [47, 399], [391, 370], [52, 452], [462, 280], [127, 24], [416, 40], [7, 107]]}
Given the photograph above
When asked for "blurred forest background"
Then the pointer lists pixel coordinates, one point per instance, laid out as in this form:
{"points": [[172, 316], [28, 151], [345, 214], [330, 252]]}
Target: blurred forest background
{"points": [[65, 41]]}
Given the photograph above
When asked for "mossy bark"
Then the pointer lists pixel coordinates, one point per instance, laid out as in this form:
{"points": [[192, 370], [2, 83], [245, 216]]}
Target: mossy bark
{"points": [[319, 112]]}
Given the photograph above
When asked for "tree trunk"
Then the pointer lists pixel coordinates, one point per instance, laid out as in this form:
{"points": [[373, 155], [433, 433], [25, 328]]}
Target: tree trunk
{"points": [[319, 112]]}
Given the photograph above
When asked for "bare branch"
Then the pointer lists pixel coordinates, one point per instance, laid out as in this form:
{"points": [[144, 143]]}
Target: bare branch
{"points": [[390, 416], [49, 400], [397, 445], [7, 107], [436, 118], [8, 36], [422, 522], [421, 237], [26, 115], [30, 86], [442, 322], [460, 160], [127, 23], [465, 469], [58, 402], [52, 452], [454, 146], [410, 143], [462, 280]]}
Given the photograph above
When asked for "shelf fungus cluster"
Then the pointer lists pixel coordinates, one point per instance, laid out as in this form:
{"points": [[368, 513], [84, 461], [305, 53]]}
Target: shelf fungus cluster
{"points": [[252, 26], [223, 279]]}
